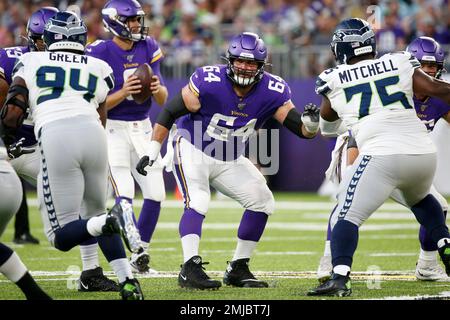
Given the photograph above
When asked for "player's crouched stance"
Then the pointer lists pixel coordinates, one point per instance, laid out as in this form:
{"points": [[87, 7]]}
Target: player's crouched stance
{"points": [[66, 91], [227, 103], [395, 150]]}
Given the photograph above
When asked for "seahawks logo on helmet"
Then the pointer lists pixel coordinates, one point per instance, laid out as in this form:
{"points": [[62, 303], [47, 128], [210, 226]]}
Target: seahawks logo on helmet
{"points": [[65, 31], [352, 37]]}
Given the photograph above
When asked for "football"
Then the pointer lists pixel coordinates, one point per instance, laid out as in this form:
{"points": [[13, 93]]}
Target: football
{"points": [[145, 73]]}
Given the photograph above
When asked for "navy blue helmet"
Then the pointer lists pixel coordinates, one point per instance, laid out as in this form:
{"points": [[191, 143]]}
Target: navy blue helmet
{"points": [[353, 37], [65, 31]]}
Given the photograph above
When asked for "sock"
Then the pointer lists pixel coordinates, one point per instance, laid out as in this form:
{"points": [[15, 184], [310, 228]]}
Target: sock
{"points": [[252, 225], [329, 223], [148, 219], [442, 242], [190, 230], [190, 244], [95, 225], [71, 235], [11, 265], [344, 240], [122, 269], [89, 255], [429, 213], [327, 250], [428, 255], [341, 269], [244, 249], [31, 289], [191, 222], [426, 242], [112, 247]]}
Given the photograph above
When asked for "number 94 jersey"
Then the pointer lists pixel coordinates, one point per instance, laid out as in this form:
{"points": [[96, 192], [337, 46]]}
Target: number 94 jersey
{"points": [[374, 98], [225, 121], [62, 85]]}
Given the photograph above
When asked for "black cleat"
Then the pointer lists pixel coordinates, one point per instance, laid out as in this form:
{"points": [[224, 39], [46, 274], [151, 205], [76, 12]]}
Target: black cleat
{"points": [[25, 238], [123, 214], [95, 280], [444, 252], [193, 276], [238, 274], [130, 289], [139, 261], [337, 286]]}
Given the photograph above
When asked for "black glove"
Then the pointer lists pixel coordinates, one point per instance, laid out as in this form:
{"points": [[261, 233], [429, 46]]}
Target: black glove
{"points": [[143, 162], [15, 150], [310, 117]]}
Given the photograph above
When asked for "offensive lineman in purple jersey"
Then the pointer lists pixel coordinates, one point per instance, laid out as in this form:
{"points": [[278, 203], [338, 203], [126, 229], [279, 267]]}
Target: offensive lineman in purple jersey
{"points": [[129, 128], [218, 110], [429, 110], [26, 161]]}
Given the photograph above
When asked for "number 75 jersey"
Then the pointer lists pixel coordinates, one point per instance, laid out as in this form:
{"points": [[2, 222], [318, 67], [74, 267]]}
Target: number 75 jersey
{"points": [[374, 98], [225, 121], [62, 85]]}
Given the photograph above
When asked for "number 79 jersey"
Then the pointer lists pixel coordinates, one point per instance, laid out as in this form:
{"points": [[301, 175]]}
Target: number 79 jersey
{"points": [[225, 121], [62, 85], [374, 98]]}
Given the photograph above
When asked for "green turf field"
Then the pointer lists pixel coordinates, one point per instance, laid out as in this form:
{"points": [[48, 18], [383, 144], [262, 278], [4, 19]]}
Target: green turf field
{"points": [[287, 255]]}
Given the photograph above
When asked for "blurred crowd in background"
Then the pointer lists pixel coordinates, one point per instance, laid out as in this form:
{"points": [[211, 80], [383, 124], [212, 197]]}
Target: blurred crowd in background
{"points": [[298, 32]]}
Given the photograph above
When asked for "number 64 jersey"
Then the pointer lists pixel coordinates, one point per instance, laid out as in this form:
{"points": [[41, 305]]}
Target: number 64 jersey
{"points": [[374, 98], [225, 121], [62, 84]]}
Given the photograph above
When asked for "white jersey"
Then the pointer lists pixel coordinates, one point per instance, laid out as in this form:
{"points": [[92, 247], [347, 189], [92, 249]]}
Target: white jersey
{"points": [[374, 99], [63, 85]]}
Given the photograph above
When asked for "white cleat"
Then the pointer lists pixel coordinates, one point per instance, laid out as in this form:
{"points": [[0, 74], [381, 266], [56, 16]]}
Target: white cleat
{"points": [[430, 271], [325, 269]]}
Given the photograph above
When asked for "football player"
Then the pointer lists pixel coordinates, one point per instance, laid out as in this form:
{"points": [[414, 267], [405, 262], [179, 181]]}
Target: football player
{"points": [[66, 93], [128, 127], [373, 98], [26, 160], [429, 110], [217, 112], [10, 197]]}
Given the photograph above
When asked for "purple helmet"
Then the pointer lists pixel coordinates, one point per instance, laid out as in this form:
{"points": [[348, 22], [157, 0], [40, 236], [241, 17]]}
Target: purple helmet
{"points": [[36, 24], [246, 46], [115, 14], [426, 49]]}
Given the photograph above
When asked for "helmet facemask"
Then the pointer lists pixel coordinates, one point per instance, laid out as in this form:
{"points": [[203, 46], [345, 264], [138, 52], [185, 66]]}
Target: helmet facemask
{"points": [[244, 77]]}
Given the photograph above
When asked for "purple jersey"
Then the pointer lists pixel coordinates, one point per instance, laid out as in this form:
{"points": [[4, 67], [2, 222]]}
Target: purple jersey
{"points": [[430, 111], [225, 121], [8, 58], [124, 63]]}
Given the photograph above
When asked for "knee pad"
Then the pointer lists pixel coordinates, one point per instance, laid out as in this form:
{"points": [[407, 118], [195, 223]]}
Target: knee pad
{"points": [[57, 244]]}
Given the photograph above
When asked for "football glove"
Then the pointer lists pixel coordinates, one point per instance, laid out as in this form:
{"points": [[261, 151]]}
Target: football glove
{"points": [[15, 150], [155, 147], [310, 118]]}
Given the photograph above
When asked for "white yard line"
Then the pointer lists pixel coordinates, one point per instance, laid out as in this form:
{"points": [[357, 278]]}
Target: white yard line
{"points": [[230, 204]]}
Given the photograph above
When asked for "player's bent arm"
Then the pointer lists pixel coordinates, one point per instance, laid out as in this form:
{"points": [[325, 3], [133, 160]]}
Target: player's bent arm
{"points": [[4, 86], [159, 91], [102, 112], [131, 86], [352, 151], [289, 117], [424, 84], [13, 112], [184, 103], [330, 124]]}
